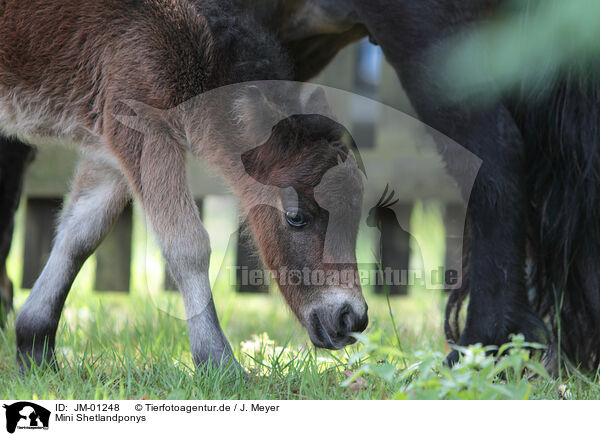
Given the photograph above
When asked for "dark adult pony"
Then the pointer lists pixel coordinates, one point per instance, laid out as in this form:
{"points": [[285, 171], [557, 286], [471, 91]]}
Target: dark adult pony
{"points": [[537, 195]]}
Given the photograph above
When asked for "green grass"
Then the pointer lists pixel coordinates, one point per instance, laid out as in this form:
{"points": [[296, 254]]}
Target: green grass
{"points": [[114, 346]]}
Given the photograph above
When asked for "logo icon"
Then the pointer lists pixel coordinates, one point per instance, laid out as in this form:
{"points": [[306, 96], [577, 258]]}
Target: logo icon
{"points": [[26, 415]]}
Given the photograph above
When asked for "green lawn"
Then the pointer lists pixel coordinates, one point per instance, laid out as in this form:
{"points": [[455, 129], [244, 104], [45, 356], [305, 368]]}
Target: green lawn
{"points": [[135, 346]]}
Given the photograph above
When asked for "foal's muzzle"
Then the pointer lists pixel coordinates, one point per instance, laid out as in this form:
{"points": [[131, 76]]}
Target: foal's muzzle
{"points": [[330, 327]]}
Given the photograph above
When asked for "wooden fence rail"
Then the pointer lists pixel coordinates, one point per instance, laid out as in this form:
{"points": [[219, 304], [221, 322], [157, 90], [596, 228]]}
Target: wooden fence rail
{"points": [[114, 256]]}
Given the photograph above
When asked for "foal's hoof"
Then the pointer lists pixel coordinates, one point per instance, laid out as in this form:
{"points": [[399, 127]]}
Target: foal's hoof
{"points": [[231, 369], [35, 340], [28, 359]]}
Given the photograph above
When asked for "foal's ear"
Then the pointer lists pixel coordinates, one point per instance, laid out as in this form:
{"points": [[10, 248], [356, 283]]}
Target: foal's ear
{"points": [[257, 113], [317, 104]]}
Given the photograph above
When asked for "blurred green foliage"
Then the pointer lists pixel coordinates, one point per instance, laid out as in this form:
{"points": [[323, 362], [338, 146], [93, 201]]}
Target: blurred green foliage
{"points": [[527, 43], [483, 373]]}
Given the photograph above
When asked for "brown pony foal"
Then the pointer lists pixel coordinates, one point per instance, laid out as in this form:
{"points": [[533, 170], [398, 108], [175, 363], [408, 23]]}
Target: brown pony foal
{"points": [[69, 70]]}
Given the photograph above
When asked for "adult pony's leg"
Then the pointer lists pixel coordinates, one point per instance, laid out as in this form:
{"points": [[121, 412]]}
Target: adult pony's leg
{"points": [[408, 31], [99, 194], [14, 156]]}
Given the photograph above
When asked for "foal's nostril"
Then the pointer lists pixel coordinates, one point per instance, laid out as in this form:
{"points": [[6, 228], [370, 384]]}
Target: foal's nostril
{"points": [[346, 322], [332, 330], [349, 321]]}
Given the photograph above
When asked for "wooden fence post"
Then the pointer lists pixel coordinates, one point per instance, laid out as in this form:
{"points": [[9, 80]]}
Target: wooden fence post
{"points": [[366, 79], [248, 262], [113, 257], [40, 220], [454, 229], [395, 250]]}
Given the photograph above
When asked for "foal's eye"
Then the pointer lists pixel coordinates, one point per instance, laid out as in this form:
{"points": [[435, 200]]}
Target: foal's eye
{"points": [[296, 218]]}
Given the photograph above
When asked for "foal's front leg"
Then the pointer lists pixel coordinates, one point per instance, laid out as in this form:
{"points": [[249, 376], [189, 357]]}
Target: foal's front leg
{"points": [[162, 187], [96, 200]]}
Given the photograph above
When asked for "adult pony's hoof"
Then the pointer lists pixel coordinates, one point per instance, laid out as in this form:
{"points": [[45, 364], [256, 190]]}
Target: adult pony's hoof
{"points": [[452, 358]]}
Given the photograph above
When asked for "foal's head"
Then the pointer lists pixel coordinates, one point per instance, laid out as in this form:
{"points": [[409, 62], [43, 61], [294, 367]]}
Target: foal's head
{"points": [[307, 236]]}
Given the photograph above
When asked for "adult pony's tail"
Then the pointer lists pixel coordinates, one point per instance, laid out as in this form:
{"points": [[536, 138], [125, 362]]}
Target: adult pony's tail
{"points": [[560, 124], [562, 131]]}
